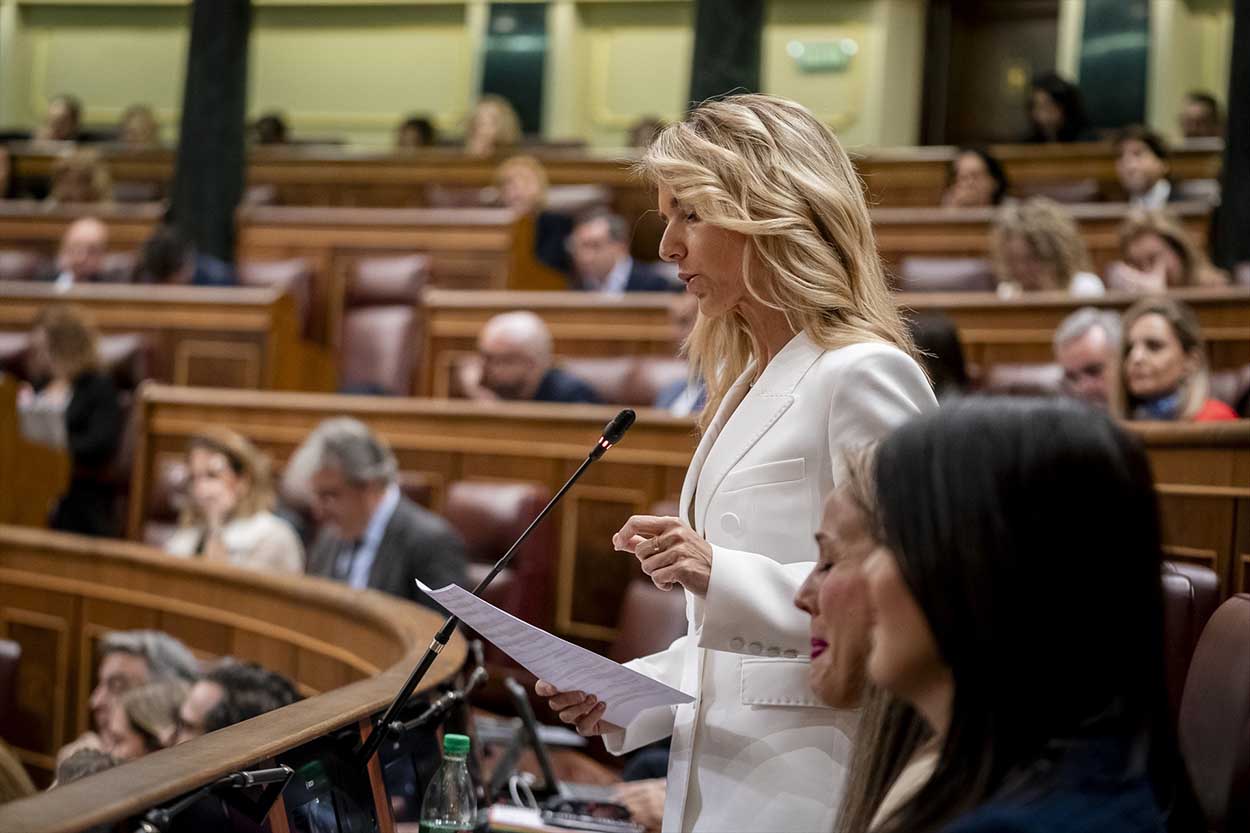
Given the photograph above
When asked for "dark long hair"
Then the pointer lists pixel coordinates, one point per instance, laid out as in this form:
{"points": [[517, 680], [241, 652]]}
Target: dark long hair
{"points": [[992, 166], [1068, 96], [1029, 535]]}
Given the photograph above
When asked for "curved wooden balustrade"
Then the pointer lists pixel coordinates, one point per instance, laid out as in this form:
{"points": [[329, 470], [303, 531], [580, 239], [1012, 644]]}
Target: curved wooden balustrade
{"points": [[350, 649]]}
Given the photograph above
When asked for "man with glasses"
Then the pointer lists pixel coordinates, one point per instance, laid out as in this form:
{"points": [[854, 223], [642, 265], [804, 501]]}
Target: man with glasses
{"points": [[514, 363]]}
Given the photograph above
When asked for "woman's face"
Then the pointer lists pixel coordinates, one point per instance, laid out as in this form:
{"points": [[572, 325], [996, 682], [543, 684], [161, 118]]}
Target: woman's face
{"points": [[836, 597], [119, 738], [1025, 267], [215, 487], [1138, 168], [904, 658], [520, 188], [1045, 112], [1155, 363], [1150, 252], [709, 258], [972, 186]]}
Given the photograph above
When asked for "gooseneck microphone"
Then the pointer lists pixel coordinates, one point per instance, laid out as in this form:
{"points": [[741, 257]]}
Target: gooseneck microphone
{"points": [[160, 819], [612, 434]]}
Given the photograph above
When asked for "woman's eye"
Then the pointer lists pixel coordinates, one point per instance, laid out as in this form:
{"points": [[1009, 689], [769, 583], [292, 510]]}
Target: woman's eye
{"points": [[692, 217]]}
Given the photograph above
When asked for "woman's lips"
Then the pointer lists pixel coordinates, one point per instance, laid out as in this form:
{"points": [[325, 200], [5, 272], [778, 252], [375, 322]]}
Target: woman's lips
{"points": [[818, 647]]}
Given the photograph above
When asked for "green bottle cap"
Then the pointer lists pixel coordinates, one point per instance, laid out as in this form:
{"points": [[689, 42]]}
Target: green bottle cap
{"points": [[455, 744]]}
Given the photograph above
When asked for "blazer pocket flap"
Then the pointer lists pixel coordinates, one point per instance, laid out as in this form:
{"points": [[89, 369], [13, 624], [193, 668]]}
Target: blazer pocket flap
{"points": [[777, 682], [779, 471]]}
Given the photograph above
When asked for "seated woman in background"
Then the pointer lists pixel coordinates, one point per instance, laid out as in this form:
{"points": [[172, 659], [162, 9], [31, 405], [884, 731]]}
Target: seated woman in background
{"points": [[1057, 111], [80, 176], [1036, 247], [144, 720], [974, 180], [72, 404], [493, 127], [522, 184], [1163, 366], [138, 127], [416, 132], [227, 517], [1016, 604], [1158, 254]]}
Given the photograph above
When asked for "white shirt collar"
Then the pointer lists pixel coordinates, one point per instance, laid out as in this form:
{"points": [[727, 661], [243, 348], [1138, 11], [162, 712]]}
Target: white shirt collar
{"points": [[618, 279], [1156, 197], [381, 516]]}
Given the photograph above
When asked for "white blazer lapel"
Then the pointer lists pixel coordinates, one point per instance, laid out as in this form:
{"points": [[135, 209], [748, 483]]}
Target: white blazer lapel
{"points": [[706, 443]]}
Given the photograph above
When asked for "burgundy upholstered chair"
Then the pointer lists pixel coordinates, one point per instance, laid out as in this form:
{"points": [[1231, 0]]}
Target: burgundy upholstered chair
{"points": [[650, 375], [13, 346], [1215, 717], [381, 325], [1232, 387], [608, 375], [945, 274], [294, 275], [1191, 593], [21, 265], [1023, 380], [166, 498], [649, 621]]}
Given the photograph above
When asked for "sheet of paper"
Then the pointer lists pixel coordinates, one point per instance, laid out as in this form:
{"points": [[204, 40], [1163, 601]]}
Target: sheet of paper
{"points": [[567, 666]]}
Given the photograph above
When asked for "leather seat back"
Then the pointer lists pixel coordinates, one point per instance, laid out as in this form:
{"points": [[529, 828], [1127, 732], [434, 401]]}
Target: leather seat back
{"points": [[945, 274]]}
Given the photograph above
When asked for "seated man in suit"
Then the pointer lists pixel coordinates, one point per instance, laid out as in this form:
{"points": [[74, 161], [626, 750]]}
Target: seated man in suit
{"points": [[80, 258], [685, 396], [514, 363], [599, 247], [371, 535]]}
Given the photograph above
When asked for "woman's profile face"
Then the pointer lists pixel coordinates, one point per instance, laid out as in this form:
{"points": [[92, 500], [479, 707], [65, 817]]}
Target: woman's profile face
{"points": [[904, 658], [214, 486], [709, 258], [835, 595], [1150, 252], [1155, 363]]}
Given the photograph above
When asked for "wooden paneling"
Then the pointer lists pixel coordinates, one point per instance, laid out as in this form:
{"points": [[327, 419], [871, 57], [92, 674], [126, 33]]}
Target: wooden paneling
{"points": [[60, 593], [446, 441], [992, 330], [1202, 470], [231, 337], [32, 476]]}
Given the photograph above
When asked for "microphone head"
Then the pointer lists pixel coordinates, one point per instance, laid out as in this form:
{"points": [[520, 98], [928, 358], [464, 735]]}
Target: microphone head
{"points": [[618, 426]]}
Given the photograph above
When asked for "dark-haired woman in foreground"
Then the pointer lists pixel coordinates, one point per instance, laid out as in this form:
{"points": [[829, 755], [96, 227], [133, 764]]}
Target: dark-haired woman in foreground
{"points": [[1017, 607]]}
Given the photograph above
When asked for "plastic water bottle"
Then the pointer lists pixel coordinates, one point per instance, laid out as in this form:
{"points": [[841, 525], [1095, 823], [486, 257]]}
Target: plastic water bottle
{"points": [[450, 805]]}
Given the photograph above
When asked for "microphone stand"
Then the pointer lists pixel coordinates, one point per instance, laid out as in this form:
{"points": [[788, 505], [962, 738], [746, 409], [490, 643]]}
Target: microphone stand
{"points": [[612, 434]]}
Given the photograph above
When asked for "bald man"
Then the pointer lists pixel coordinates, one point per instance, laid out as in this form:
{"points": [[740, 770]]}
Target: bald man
{"points": [[515, 363], [81, 256]]}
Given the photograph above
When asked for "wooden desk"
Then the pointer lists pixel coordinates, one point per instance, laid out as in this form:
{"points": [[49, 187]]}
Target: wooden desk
{"points": [[348, 650], [26, 224], [32, 476], [232, 337], [446, 441], [992, 330]]}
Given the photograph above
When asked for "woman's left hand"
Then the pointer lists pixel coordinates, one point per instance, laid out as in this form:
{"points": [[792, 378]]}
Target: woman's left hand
{"points": [[670, 552]]}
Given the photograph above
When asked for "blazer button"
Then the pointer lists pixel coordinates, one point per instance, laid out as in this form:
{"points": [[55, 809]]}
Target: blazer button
{"points": [[736, 643], [774, 651], [790, 653], [755, 648], [730, 523]]}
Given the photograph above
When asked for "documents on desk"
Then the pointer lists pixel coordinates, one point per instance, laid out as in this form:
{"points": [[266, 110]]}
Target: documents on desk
{"points": [[567, 666]]}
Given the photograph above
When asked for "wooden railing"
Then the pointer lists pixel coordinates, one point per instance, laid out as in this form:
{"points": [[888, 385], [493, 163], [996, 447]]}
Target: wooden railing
{"points": [[59, 594]]}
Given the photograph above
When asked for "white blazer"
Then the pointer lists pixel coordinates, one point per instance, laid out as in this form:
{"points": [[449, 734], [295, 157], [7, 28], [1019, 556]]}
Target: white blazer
{"points": [[757, 751]]}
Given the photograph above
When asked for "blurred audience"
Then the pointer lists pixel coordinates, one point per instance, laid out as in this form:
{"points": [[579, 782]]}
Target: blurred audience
{"points": [[1141, 163], [7, 188], [138, 127], [73, 404], [82, 763], [686, 396], [228, 515], [230, 692], [416, 132], [169, 257], [974, 179], [144, 720], [1086, 345], [522, 184], [1158, 254], [80, 258], [644, 130], [493, 127], [269, 129], [1200, 116], [80, 176], [940, 352], [371, 534], [515, 363], [1057, 111], [599, 248], [62, 121], [1036, 246], [987, 509], [1163, 366]]}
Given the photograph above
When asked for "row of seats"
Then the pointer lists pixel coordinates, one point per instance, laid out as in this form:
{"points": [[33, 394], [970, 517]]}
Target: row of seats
{"points": [[975, 274]]}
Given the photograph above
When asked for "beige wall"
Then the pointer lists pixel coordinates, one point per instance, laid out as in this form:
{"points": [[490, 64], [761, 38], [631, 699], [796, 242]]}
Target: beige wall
{"points": [[1191, 44], [353, 68]]}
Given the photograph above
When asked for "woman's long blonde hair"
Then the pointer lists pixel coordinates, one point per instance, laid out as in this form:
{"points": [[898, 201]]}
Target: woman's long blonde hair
{"points": [[248, 463], [1198, 268], [766, 168], [1049, 230]]}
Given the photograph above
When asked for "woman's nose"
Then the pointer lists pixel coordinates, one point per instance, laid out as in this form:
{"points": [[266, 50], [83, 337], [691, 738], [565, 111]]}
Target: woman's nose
{"points": [[671, 249]]}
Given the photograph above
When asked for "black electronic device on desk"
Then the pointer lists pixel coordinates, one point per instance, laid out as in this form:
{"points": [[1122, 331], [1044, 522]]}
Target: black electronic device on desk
{"points": [[576, 806]]}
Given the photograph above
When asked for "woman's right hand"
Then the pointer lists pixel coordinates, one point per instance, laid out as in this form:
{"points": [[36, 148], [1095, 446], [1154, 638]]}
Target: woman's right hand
{"points": [[577, 708]]}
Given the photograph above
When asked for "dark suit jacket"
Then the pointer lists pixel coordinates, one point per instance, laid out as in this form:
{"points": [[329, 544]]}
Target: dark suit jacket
{"points": [[93, 430], [417, 544], [561, 386], [644, 277]]}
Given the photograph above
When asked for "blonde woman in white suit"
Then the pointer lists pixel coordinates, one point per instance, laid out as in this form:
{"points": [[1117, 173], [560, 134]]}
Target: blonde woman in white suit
{"points": [[805, 358]]}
